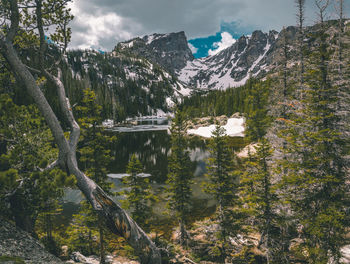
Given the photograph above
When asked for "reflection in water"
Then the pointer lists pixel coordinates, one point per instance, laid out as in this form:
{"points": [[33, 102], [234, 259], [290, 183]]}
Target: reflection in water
{"points": [[152, 148]]}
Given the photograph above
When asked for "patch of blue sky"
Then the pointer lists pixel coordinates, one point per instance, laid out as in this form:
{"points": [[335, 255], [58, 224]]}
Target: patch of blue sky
{"points": [[203, 45], [49, 41]]}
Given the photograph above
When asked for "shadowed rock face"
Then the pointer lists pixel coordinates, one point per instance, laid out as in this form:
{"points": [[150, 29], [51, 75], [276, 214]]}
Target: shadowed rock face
{"points": [[170, 51], [232, 66], [250, 56], [17, 243]]}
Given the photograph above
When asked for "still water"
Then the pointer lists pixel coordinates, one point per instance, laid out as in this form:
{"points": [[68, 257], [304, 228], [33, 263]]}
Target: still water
{"points": [[152, 147]]}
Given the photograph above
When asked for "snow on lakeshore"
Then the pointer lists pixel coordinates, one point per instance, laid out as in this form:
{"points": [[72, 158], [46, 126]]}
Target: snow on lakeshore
{"points": [[122, 175], [233, 128]]}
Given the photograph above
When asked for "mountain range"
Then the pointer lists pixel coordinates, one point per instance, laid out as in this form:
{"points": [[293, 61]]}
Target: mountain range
{"points": [[166, 63]]}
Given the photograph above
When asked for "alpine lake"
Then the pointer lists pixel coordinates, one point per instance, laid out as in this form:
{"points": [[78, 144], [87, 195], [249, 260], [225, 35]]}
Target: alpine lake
{"points": [[150, 141]]}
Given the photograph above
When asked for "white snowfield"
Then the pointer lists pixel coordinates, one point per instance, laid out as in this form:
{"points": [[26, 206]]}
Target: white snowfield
{"points": [[219, 77], [233, 128]]}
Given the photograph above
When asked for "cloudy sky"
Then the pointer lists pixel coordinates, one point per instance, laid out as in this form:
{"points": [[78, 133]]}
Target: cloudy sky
{"points": [[103, 23]]}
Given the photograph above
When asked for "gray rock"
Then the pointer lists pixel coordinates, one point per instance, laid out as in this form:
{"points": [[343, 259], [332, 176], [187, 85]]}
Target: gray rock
{"points": [[232, 66], [77, 257], [249, 56], [345, 251], [17, 243], [170, 51]]}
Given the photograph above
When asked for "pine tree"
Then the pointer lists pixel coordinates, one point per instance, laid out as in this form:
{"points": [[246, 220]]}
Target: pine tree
{"points": [[27, 24], [179, 175], [27, 150], [138, 195], [94, 156], [259, 195], [223, 186], [94, 149], [284, 225], [79, 235], [257, 108], [317, 173]]}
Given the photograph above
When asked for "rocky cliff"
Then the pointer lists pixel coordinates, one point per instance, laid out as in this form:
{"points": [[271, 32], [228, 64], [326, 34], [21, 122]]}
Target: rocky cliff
{"points": [[170, 51], [17, 246], [250, 56], [232, 66]]}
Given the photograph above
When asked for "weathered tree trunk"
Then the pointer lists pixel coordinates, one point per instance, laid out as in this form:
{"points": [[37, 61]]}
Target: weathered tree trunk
{"points": [[114, 216], [183, 234]]}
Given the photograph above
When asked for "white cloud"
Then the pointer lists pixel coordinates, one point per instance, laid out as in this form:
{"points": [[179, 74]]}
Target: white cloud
{"points": [[198, 18], [97, 29], [192, 48], [226, 41]]}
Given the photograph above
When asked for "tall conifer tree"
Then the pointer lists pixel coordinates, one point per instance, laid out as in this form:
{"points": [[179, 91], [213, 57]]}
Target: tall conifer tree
{"points": [[179, 175], [94, 156], [223, 185], [139, 196], [317, 173]]}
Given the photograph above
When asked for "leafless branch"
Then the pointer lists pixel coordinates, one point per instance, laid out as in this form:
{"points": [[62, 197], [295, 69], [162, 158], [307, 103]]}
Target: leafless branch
{"points": [[33, 69], [322, 5], [51, 166], [15, 190]]}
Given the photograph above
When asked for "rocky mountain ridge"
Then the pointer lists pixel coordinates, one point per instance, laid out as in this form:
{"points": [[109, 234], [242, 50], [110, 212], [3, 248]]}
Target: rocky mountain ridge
{"points": [[125, 84], [254, 55], [233, 66], [229, 68], [170, 51], [150, 74]]}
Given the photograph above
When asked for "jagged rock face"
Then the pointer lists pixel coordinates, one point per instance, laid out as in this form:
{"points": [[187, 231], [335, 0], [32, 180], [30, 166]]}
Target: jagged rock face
{"points": [[155, 71], [170, 51], [17, 243], [233, 66], [249, 56], [120, 76]]}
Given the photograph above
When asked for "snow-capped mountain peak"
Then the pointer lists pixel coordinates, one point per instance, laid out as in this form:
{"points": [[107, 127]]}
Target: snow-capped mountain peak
{"points": [[232, 66], [170, 51]]}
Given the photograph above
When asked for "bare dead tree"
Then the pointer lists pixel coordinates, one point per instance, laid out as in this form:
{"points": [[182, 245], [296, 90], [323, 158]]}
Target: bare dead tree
{"points": [[339, 7], [46, 13], [300, 24], [341, 71], [285, 73], [322, 6]]}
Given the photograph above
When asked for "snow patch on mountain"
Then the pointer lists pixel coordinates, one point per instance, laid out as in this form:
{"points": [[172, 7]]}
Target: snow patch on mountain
{"points": [[230, 65], [151, 38]]}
